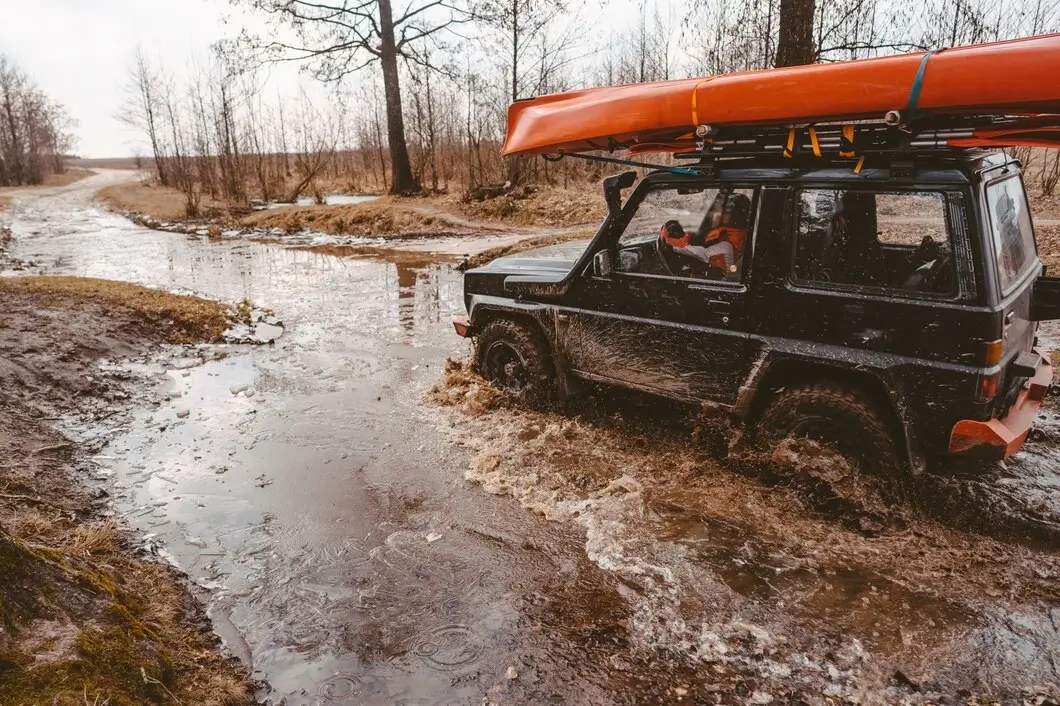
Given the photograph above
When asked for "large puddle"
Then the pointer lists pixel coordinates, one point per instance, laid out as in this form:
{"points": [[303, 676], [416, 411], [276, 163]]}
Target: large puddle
{"points": [[324, 510]]}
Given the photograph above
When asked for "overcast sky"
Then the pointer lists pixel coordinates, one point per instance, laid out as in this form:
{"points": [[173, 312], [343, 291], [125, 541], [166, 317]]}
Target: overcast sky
{"points": [[79, 51]]}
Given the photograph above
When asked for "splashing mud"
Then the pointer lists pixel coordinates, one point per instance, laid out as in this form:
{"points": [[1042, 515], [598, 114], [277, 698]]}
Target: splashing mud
{"points": [[748, 570]]}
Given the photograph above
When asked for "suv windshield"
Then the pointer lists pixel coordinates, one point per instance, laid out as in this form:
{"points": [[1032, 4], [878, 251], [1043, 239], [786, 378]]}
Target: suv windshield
{"points": [[1010, 222]]}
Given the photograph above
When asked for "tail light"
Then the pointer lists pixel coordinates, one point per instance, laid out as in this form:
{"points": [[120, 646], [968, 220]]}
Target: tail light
{"points": [[992, 352], [987, 386]]}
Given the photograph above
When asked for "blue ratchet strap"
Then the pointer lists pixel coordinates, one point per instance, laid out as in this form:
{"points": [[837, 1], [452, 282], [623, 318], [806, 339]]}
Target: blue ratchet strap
{"points": [[912, 112]]}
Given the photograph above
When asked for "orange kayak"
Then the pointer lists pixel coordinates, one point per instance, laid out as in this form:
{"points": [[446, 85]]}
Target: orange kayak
{"points": [[1017, 77]]}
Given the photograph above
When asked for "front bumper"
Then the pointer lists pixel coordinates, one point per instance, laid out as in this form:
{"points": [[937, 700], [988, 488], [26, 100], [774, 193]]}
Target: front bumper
{"points": [[1000, 438], [462, 324]]}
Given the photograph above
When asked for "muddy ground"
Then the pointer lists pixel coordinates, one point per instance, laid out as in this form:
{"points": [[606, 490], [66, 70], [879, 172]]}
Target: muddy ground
{"points": [[82, 611], [368, 523]]}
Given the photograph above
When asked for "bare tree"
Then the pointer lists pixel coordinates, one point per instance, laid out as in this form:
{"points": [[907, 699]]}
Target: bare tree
{"points": [[795, 45], [35, 131], [141, 110], [340, 37]]}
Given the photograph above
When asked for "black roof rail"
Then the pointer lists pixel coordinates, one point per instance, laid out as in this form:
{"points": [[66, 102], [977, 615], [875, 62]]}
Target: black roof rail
{"points": [[851, 140]]}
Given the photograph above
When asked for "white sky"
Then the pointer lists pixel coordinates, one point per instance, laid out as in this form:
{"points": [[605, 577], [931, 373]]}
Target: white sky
{"points": [[78, 52]]}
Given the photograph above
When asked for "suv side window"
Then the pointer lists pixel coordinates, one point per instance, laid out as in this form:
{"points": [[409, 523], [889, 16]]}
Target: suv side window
{"points": [[895, 241], [700, 233], [1010, 222]]}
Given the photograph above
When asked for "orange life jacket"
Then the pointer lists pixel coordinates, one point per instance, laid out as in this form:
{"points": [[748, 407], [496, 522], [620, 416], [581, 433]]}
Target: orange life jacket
{"points": [[734, 236]]}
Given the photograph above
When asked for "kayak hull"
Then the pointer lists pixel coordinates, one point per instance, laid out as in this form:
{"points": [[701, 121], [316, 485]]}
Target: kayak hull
{"points": [[1017, 77]]}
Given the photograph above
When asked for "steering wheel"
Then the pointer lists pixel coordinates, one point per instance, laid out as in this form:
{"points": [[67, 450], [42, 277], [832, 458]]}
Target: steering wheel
{"points": [[665, 251]]}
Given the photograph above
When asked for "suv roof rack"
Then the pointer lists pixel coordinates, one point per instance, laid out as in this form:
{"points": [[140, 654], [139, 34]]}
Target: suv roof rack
{"points": [[858, 139]]}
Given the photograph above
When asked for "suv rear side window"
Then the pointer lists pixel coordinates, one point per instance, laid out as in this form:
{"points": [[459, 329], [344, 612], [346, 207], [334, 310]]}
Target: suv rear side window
{"points": [[1010, 222], [893, 241]]}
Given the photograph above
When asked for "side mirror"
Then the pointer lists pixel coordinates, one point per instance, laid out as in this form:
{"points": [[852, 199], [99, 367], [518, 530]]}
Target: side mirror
{"points": [[602, 264]]}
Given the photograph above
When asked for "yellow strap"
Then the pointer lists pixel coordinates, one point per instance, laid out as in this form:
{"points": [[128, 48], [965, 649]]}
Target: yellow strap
{"points": [[813, 143], [848, 135], [791, 143], [695, 101], [859, 165]]}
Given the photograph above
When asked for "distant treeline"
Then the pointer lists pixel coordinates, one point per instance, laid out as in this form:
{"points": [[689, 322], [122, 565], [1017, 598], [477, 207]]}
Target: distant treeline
{"points": [[419, 97], [35, 131]]}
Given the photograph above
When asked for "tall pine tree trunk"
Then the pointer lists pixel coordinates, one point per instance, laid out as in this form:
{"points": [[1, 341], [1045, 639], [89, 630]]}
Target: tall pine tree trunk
{"points": [[795, 45]]}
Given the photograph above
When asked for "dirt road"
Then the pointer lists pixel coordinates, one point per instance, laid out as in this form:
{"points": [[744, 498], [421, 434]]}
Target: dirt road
{"points": [[355, 544]]}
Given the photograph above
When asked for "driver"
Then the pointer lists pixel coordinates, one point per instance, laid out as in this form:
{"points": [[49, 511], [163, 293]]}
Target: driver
{"points": [[719, 243]]}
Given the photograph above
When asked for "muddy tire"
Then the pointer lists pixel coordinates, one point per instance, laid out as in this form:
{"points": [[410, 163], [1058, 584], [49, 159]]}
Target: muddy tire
{"points": [[514, 356], [842, 420]]}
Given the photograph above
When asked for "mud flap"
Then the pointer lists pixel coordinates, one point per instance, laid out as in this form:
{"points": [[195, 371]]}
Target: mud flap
{"points": [[1045, 299]]}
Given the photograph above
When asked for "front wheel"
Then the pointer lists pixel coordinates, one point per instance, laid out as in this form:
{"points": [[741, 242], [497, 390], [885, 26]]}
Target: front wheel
{"points": [[514, 356]]}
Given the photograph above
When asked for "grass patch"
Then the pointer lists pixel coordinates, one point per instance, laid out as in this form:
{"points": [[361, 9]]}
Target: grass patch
{"points": [[137, 648], [385, 216], [539, 206], [71, 175], [161, 203], [182, 318], [487, 256]]}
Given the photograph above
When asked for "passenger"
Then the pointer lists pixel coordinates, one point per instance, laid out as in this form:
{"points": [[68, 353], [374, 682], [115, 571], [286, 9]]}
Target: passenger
{"points": [[720, 242]]}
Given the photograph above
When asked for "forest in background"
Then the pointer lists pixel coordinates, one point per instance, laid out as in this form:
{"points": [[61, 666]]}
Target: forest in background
{"points": [[418, 91]]}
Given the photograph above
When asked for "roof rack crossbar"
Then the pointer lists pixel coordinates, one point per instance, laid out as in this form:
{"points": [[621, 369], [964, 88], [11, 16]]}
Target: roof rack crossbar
{"points": [[847, 138]]}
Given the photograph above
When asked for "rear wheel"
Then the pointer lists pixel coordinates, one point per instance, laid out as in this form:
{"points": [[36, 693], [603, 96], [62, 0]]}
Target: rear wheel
{"points": [[515, 356], [842, 420]]}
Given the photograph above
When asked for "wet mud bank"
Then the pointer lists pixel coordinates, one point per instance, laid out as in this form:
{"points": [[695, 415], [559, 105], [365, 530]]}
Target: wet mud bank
{"points": [[785, 574], [84, 613]]}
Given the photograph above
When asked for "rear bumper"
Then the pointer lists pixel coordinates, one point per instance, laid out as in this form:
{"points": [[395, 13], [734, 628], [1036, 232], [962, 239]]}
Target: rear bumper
{"points": [[462, 324], [1000, 438]]}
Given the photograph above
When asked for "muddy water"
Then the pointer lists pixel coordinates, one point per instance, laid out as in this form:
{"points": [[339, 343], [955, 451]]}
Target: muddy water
{"points": [[327, 515], [307, 489]]}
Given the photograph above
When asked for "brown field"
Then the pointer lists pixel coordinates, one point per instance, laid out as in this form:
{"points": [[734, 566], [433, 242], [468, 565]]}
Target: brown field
{"points": [[160, 202], [542, 207], [68, 177], [537, 206], [112, 163], [387, 216]]}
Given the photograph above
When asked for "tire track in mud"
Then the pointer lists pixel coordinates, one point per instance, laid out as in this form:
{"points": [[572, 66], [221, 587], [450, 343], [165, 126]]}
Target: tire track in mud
{"points": [[742, 564]]}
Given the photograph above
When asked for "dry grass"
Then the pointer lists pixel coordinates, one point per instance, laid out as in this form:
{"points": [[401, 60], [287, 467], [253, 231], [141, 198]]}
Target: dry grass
{"points": [[397, 216], [160, 202], [539, 206], [5, 203], [1049, 247], [386, 216], [183, 318], [68, 177], [91, 539], [528, 244]]}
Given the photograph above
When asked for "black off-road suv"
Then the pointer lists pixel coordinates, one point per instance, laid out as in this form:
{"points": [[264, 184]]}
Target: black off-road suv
{"points": [[889, 309]]}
